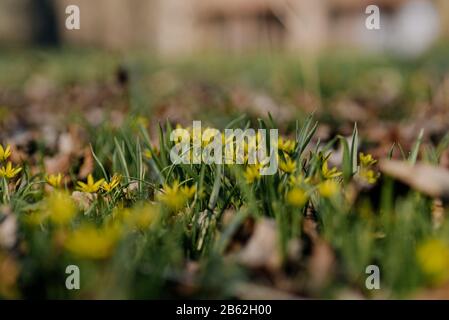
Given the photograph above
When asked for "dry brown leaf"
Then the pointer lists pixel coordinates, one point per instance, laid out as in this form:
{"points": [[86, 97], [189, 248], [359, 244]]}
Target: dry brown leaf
{"points": [[83, 199], [66, 143], [430, 180], [437, 213], [262, 250], [310, 226], [321, 265], [9, 273], [440, 293], [58, 164], [8, 229], [88, 164]]}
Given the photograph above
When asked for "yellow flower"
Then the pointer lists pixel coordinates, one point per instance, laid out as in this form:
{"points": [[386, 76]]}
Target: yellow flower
{"points": [[330, 174], [295, 180], [297, 197], [328, 188], [433, 259], [287, 165], [251, 173], [142, 216], [148, 154], [189, 192], [61, 207], [91, 186], [54, 180], [286, 145], [115, 181], [91, 242], [5, 152], [369, 175], [9, 171], [140, 120], [172, 196], [366, 160]]}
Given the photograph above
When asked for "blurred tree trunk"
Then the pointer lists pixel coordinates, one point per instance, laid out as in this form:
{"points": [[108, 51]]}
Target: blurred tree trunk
{"points": [[27, 22]]}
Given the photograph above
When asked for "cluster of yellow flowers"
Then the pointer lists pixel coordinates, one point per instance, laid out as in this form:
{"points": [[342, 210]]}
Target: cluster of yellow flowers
{"points": [[286, 164], [54, 180], [366, 171], [176, 196], [92, 186], [99, 242], [327, 183], [7, 170]]}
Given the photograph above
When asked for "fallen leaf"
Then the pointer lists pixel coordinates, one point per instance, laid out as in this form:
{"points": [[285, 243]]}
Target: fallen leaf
{"points": [[430, 180], [57, 164], [262, 249], [83, 199], [88, 164], [321, 265], [8, 230]]}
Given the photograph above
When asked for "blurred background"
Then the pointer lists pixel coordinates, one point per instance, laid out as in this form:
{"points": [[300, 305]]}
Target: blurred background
{"points": [[215, 60], [180, 27]]}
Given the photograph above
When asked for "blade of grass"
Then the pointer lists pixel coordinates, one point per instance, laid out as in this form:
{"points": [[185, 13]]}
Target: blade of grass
{"points": [[415, 150], [122, 159]]}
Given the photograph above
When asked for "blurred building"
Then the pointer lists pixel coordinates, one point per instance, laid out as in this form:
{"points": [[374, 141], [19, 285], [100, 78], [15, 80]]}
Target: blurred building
{"points": [[175, 27]]}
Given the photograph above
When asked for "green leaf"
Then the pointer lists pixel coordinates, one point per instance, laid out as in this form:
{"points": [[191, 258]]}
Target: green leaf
{"points": [[415, 150], [122, 159], [354, 150]]}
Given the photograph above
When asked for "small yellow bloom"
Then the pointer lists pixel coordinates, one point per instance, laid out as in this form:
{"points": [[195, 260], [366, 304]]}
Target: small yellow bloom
{"points": [[115, 181], [9, 171], [149, 155], [91, 186], [5, 152], [140, 120], [294, 180], [60, 207], [366, 160], [369, 175], [287, 165], [297, 197], [54, 180], [172, 196], [252, 173], [142, 216], [91, 242], [189, 192], [330, 173], [433, 259], [286, 145], [328, 188]]}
